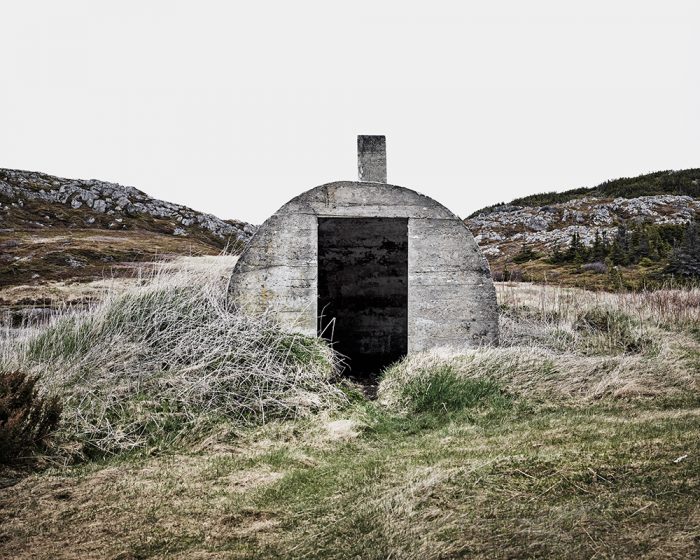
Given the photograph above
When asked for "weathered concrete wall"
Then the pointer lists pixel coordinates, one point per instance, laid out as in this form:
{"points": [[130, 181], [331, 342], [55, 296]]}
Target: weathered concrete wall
{"points": [[451, 298]]}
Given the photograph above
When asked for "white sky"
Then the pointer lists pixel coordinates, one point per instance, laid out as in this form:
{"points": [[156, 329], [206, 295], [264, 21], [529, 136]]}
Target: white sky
{"points": [[235, 107]]}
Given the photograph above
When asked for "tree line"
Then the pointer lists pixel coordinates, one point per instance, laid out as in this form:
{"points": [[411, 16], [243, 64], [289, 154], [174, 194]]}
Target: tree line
{"points": [[677, 246]]}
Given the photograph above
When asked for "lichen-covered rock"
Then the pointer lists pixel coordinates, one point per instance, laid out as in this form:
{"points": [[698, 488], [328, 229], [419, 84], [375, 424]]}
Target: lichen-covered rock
{"points": [[506, 228], [125, 207]]}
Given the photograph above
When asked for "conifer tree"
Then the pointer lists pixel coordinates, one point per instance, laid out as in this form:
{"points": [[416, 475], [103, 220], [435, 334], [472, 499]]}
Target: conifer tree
{"points": [[685, 259]]}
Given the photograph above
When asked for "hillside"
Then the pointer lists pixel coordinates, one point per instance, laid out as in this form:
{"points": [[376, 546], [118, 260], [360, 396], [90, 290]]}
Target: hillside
{"points": [[54, 229], [627, 231], [685, 182]]}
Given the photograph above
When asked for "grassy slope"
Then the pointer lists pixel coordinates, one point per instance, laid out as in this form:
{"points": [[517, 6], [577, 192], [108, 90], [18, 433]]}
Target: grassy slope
{"points": [[633, 277], [578, 438], [39, 257], [683, 182], [37, 214], [43, 242], [636, 276]]}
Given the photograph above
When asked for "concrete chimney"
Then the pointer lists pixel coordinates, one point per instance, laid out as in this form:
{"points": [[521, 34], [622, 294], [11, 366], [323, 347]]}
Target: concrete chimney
{"points": [[371, 158]]}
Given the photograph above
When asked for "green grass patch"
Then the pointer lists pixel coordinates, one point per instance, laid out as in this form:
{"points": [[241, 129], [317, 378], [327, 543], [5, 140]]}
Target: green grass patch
{"points": [[443, 391]]}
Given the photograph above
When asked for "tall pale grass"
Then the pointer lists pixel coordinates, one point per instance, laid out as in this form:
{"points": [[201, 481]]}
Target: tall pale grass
{"points": [[171, 357], [568, 343], [671, 307]]}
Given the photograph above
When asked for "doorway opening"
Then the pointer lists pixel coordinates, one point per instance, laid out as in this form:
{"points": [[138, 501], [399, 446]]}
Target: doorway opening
{"points": [[363, 290]]}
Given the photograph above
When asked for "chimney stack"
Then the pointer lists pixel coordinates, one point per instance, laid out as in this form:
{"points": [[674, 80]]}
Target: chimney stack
{"points": [[371, 158]]}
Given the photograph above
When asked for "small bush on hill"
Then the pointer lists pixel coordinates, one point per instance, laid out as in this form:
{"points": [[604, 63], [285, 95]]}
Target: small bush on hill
{"points": [[525, 254], [26, 419], [597, 267]]}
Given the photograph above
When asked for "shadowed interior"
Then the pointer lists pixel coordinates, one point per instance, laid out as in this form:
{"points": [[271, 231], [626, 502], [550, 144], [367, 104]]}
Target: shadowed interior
{"points": [[363, 290]]}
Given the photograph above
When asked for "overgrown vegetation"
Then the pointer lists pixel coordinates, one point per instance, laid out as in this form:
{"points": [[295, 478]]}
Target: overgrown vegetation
{"points": [[640, 256], [576, 438], [684, 182], [642, 244], [26, 418], [170, 360]]}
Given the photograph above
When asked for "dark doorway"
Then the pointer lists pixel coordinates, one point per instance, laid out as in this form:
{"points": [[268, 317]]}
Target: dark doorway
{"points": [[363, 290]]}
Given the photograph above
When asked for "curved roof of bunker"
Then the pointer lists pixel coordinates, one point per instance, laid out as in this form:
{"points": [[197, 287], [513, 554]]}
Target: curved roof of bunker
{"points": [[328, 194], [362, 199]]}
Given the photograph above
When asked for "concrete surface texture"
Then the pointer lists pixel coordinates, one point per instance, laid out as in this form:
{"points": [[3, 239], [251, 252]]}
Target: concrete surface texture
{"points": [[371, 158], [379, 268]]}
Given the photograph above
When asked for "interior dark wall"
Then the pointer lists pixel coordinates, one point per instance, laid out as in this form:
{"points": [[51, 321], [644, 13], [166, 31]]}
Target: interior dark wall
{"points": [[363, 285]]}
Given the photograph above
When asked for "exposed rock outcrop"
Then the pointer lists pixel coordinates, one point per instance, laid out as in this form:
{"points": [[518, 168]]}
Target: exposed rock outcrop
{"points": [[504, 230], [36, 200]]}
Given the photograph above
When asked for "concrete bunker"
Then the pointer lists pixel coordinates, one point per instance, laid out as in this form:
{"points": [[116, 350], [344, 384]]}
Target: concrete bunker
{"points": [[377, 269]]}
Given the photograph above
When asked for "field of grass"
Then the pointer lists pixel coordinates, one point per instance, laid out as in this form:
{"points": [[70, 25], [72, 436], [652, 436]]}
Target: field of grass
{"points": [[35, 257], [578, 437]]}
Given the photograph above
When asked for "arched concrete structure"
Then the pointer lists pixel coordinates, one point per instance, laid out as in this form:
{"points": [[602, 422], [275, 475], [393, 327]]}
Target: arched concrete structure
{"points": [[379, 269], [451, 300]]}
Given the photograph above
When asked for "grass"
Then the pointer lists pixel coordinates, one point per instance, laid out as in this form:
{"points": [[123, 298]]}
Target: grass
{"points": [[635, 277], [576, 438], [540, 483], [170, 359], [39, 258], [443, 391]]}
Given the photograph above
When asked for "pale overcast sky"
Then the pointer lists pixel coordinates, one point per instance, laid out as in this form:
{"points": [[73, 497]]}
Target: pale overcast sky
{"points": [[235, 107]]}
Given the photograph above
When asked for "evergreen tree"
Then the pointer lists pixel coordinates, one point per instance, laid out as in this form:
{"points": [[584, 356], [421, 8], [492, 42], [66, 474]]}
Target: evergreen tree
{"points": [[577, 251], [656, 249], [639, 244], [599, 250], [685, 259], [619, 253]]}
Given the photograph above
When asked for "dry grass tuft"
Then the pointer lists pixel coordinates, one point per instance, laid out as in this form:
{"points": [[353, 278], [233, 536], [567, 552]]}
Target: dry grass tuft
{"points": [[171, 358], [570, 346]]}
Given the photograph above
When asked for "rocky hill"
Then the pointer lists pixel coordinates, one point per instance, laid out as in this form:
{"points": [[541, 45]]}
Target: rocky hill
{"points": [[57, 229], [632, 234], [627, 232]]}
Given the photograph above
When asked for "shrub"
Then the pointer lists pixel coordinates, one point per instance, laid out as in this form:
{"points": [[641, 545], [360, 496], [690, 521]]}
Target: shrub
{"points": [[525, 254], [597, 267], [26, 419], [507, 275]]}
